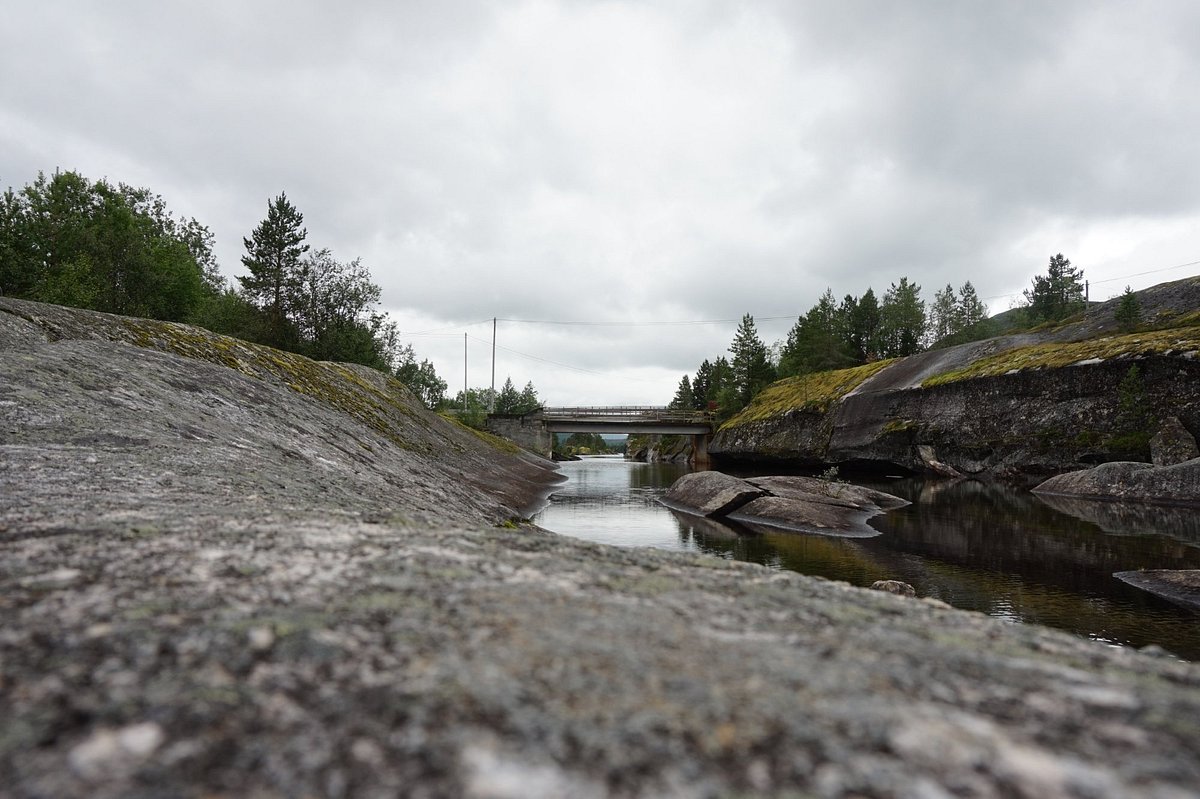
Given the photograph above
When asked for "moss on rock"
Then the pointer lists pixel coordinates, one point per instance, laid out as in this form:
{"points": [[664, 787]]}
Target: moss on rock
{"points": [[812, 392]]}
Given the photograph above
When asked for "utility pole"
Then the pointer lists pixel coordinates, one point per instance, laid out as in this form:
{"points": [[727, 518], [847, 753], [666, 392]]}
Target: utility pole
{"points": [[1086, 292], [464, 373], [492, 401]]}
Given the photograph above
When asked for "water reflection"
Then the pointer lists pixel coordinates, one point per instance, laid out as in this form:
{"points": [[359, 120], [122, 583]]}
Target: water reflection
{"points": [[973, 545]]}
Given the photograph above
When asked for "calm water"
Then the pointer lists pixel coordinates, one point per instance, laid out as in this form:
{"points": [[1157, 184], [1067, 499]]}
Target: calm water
{"points": [[976, 546]]}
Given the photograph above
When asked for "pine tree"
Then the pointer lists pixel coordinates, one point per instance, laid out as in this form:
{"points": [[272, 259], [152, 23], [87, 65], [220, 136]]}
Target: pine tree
{"points": [[684, 399], [529, 401], [702, 386], [816, 342], [863, 328], [944, 314], [509, 399], [273, 254], [1056, 294], [902, 319], [751, 368], [971, 309], [1129, 310]]}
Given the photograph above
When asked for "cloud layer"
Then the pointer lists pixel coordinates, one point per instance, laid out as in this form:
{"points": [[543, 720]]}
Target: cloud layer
{"points": [[635, 162]]}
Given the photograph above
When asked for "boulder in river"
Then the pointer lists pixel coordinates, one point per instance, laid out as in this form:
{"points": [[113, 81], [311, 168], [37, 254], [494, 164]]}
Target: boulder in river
{"points": [[1130, 481], [802, 504], [711, 493], [1181, 586]]}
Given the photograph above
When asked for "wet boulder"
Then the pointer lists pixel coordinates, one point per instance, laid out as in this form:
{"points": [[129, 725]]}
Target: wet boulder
{"points": [[801, 504], [711, 493], [1181, 586], [827, 491], [1130, 482], [894, 587]]}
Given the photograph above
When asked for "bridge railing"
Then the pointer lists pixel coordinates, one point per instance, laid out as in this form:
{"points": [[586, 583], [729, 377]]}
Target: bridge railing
{"points": [[641, 413]]}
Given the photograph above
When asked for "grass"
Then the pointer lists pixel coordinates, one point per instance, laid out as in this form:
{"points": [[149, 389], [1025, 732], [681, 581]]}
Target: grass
{"points": [[502, 444], [812, 392], [1041, 356]]}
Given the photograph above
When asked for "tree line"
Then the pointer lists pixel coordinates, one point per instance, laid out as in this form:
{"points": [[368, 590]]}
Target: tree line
{"points": [[861, 329], [70, 241]]}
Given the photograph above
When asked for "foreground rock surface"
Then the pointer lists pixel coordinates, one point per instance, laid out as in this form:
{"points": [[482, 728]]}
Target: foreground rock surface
{"points": [[245, 627], [801, 504]]}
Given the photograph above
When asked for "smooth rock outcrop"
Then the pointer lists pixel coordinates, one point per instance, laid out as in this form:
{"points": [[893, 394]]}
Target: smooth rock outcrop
{"points": [[1178, 585], [224, 572], [1126, 481], [711, 493], [800, 504], [828, 491]]}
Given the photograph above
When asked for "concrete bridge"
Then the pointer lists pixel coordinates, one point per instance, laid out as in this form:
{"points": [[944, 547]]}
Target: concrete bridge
{"points": [[535, 431]]}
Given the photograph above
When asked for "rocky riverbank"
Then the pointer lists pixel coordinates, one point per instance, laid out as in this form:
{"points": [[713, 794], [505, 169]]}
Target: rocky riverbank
{"points": [[1019, 407], [228, 571], [659, 449]]}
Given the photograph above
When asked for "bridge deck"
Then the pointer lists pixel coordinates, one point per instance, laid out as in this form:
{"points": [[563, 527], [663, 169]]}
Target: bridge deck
{"points": [[627, 419]]}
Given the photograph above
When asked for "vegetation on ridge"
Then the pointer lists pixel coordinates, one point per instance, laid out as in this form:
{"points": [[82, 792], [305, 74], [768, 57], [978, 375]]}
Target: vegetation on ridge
{"points": [[811, 392], [1182, 340], [70, 241]]}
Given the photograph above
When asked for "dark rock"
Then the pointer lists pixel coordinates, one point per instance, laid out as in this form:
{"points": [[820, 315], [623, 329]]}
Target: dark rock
{"points": [[660, 449], [830, 517], [894, 587], [801, 504], [711, 493], [828, 491], [1173, 444], [1130, 482], [1181, 586]]}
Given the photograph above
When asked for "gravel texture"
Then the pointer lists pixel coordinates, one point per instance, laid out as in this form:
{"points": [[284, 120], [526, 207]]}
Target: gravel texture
{"points": [[247, 578]]}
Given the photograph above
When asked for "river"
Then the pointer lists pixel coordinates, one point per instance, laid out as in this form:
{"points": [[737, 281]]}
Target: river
{"points": [[977, 546]]}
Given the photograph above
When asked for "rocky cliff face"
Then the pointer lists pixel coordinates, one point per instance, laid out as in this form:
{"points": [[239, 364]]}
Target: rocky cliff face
{"points": [[1018, 407], [659, 449], [226, 571]]}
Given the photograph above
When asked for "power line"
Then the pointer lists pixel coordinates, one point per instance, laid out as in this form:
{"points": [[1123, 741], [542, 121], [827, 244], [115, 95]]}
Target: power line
{"points": [[439, 330], [1147, 272], [1110, 279], [675, 323], [557, 363]]}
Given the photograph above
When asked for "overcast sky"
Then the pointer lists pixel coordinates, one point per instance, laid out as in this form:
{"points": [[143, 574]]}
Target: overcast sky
{"points": [[634, 163]]}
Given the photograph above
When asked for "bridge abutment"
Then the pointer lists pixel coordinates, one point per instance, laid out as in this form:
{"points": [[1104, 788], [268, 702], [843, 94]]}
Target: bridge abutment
{"points": [[528, 431]]}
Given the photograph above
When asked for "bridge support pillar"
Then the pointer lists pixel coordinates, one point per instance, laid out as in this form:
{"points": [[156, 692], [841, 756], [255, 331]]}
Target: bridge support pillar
{"points": [[700, 457]]}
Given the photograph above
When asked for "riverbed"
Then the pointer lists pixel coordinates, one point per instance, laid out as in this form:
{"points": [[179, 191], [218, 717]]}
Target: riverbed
{"points": [[977, 546]]}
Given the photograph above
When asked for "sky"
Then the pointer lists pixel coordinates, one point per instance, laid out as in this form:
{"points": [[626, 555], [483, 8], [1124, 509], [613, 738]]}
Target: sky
{"points": [[619, 182]]}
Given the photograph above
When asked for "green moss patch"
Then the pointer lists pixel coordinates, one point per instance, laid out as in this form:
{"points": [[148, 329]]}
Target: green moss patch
{"points": [[812, 392], [502, 444], [333, 384], [1042, 356]]}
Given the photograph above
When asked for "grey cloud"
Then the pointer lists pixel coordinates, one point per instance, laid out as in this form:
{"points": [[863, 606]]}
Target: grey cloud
{"points": [[628, 160]]}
